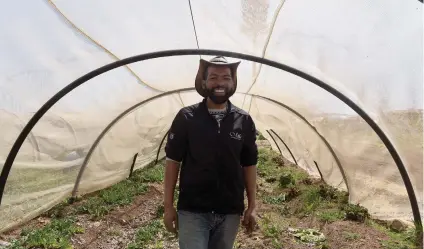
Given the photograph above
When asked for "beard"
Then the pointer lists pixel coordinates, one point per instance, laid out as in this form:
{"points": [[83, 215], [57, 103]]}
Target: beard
{"points": [[218, 99]]}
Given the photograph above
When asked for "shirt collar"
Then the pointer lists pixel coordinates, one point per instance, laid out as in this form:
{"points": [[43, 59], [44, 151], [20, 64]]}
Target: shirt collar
{"points": [[230, 106]]}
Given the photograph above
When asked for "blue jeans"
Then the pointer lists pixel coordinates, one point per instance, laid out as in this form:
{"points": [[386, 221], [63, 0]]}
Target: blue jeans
{"points": [[207, 230]]}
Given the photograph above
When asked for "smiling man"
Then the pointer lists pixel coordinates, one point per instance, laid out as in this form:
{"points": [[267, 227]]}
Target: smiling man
{"points": [[212, 144]]}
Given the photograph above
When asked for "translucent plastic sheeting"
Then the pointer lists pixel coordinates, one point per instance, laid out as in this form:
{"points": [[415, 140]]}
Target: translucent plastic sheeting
{"points": [[372, 175], [369, 50], [33, 187], [135, 27], [139, 132], [305, 143]]}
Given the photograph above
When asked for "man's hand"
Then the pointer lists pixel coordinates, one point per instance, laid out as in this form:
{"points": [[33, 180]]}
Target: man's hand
{"points": [[249, 220], [170, 220]]}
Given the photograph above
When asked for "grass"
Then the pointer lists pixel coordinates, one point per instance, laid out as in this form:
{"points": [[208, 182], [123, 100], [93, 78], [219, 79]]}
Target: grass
{"points": [[146, 234], [108, 199], [402, 240], [56, 234], [330, 216], [272, 228], [351, 236], [99, 204]]}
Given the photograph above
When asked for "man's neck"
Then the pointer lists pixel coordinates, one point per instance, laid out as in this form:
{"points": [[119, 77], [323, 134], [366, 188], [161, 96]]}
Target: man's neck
{"points": [[211, 105]]}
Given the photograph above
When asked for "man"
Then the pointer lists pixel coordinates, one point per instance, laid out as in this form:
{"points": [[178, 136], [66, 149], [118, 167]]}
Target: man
{"points": [[215, 143]]}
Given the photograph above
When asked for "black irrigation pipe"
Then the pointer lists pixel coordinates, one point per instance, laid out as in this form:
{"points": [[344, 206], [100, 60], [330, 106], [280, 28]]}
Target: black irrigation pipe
{"points": [[278, 147], [287, 147], [178, 52]]}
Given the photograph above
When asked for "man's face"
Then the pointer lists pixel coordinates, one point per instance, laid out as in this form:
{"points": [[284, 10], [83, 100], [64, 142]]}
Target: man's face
{"points": [[219, 83]]}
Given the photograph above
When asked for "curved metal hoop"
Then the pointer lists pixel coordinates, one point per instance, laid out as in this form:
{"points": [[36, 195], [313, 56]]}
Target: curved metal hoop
{"points": [[285, 145], [110, 125], [390, 147]]}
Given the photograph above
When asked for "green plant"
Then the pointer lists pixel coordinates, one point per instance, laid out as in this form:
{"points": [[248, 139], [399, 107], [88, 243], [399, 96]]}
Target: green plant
{"points": [[355, 212], [278, 160], [271, 179], [57, 211], [283, 210], [329, 216], [327, 192], [120, 194], [351, 236], [160, 211], [286, 180], [270, 228], [296, 173], [278, 199], [56, 234], [292, 192], [95, 207], [146, 234], [154, 173], [310, 200], [404, 240]]}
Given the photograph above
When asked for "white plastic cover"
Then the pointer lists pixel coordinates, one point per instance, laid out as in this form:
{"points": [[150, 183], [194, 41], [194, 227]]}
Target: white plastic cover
{"points": [[372, 51]]}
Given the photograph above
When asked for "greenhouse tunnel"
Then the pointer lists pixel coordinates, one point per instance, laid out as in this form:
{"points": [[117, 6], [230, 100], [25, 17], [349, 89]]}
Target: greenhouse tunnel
{"points": [[327, 90], [340, 177]]}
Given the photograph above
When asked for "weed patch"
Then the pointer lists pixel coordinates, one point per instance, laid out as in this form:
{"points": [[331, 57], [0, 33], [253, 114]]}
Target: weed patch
{"points": [[150, 174], [286, 180], [266, 163], [351, 236], [160, 211], [56, 234], [397, 240], [310, 200], [96, 207], [120, 194], [356, 212], [329, 216], [270, 227], [57, 211], [275, 200], [292, 193], [146, 234]]}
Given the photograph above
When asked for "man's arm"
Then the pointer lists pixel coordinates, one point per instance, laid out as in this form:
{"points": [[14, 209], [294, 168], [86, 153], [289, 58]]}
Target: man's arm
{"points": [[171, 176], [175, 150], [250, 182], [249, 159]]}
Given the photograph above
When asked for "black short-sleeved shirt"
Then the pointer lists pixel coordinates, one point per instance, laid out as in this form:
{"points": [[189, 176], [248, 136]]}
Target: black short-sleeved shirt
{"points": [[212, 156]]}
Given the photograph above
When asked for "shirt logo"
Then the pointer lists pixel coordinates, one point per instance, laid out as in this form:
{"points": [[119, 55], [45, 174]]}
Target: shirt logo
{"points": [[171, 135], [235, 135]]}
